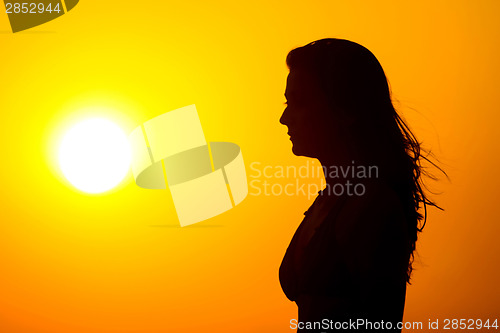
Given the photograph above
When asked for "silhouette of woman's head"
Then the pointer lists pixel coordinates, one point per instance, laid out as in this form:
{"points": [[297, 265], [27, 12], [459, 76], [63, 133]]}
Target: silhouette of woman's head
{"points": [[338, 100], [339, 109]]}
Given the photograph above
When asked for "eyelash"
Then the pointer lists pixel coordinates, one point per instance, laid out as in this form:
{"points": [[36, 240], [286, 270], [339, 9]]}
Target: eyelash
{"points": [[286, 103]]}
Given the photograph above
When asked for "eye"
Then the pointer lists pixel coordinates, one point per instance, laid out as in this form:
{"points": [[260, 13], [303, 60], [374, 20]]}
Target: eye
{"points": [[286, 103]]}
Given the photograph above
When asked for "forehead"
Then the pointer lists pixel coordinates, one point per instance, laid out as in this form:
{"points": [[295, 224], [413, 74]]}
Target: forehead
{"points": [[301, 83]]}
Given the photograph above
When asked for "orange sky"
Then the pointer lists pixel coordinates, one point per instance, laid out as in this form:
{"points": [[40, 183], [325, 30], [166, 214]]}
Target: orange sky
{"points": [[117, 262]]}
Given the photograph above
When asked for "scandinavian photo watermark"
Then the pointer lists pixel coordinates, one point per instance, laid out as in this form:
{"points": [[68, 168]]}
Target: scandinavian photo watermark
{"points": [[365, 324], [309, 179], [353, 324]]}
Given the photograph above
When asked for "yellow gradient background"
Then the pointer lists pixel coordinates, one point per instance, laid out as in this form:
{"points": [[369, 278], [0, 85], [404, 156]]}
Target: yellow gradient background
{"points": [[118, 262]]}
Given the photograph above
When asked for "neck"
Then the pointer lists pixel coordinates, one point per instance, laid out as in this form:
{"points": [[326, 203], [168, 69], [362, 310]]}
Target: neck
{"points": [[340, 169]]}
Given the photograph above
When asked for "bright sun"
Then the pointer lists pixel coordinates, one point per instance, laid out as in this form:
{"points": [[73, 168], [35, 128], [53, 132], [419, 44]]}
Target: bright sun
{"points": [[94, 155]]}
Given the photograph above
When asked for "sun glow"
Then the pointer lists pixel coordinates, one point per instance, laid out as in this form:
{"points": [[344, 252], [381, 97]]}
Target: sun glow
{"points": [[94, 155]]}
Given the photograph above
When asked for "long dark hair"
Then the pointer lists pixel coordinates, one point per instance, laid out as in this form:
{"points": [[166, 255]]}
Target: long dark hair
{"points": [[354, 81]]}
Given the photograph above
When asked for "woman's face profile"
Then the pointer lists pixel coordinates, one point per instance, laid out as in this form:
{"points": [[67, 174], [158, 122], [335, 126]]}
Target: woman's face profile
{"points": [[308, 117]]}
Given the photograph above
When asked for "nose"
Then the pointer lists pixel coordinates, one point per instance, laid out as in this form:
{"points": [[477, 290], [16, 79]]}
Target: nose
{"points": [[284, 119]]}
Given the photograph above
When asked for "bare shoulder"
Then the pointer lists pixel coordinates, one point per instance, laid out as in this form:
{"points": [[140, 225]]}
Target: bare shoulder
{"points": [[377, 196], [378, 206]]}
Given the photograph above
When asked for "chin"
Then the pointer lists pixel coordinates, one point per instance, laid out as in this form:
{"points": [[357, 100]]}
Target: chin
{"points": [[300, 150]]}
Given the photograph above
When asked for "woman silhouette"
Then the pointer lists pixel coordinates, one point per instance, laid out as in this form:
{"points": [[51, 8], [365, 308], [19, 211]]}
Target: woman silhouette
{"points": [[351, 257]]}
